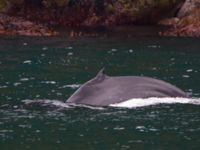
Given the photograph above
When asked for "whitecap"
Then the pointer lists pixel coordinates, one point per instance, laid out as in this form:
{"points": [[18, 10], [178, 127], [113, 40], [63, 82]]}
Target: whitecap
{"points": [[140, 127], [49, 82], [113, 50], [185, 76], [153, 46], [70, 53], [27, 62], [73, 86], [24, 79], [5, 131], [44, 48], [17, 83], [69, 47], [130, 51], [119, 128], [189, 70], [3, 86]]}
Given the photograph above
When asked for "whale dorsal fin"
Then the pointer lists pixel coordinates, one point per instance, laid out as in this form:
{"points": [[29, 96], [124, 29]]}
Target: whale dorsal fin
{"points": [[101, 75], [101, 72]]}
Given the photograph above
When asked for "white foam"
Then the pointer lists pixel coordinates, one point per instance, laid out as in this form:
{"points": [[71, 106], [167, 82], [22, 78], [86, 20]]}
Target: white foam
{"points": [[138, 102], [132, 103], [49, 82], [47, 102], [27, 62], [73, 86], [59, 104]]}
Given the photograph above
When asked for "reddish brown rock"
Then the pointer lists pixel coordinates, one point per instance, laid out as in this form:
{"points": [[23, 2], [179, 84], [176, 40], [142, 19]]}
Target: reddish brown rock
{"points": [[18, 26], [188, 23]]}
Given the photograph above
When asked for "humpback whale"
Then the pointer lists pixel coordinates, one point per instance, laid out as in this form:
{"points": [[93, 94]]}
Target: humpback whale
{"points": [[104, 90]]}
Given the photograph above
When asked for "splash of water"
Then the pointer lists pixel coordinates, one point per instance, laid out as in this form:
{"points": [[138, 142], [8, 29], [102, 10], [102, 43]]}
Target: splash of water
{"points": [[132, 103], [58, 104], [139, 102]]}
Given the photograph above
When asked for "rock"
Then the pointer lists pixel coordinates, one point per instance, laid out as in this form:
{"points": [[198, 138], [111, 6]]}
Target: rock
{"points": [[191, 30], [169, 21], [93, 21], [187, 8], [95, 12], [18, 26], [188, 23], [1, 27]]}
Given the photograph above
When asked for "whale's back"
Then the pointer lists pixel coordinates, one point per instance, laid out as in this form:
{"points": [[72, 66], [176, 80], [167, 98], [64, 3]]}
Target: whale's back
{"points": [[104, 90]]}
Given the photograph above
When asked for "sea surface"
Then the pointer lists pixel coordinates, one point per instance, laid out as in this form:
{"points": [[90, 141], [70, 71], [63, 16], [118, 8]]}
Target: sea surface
{"points": [[37, 75]]}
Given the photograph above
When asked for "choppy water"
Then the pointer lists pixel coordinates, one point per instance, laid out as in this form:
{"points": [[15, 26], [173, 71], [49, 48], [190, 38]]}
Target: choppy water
{"points": [[51, 69]]}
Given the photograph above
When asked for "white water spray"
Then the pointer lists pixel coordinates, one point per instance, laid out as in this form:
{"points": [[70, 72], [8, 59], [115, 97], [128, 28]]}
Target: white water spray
{"points": [[139, 102]]}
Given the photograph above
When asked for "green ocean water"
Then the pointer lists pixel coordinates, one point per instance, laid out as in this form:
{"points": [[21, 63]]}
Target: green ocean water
{"points": [[53, 68]]}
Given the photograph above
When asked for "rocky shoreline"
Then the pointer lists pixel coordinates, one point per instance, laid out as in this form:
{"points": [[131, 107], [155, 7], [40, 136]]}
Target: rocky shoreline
{"points": [[19, 26], [79, 13], [36, 16]]}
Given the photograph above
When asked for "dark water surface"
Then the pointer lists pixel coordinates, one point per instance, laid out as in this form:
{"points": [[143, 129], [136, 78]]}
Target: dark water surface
{"points": [[53, 68]]}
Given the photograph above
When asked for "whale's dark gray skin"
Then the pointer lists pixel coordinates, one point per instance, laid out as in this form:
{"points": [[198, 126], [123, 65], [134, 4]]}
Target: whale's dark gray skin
{"points": [[104, 90]]}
